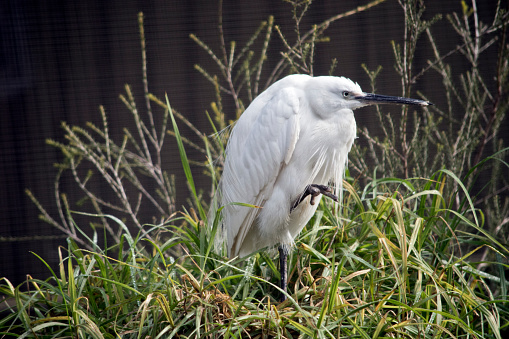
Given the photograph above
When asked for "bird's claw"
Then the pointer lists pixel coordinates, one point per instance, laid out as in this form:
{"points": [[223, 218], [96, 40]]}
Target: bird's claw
{"points": [[314, 190]]}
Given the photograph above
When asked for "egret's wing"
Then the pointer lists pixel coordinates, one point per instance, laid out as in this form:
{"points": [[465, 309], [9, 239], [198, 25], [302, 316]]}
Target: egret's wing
{"points": [[262, 141]]}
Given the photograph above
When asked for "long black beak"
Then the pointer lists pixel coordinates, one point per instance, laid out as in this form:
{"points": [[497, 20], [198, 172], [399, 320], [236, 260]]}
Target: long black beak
{"points": [[373, 99]]}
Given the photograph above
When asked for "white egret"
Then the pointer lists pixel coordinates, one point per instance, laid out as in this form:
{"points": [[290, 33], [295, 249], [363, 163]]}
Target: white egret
{"points": [[286, 148]]}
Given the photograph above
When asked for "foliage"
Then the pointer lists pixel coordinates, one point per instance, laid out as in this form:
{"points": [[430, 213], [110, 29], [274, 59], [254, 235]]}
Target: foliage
{"points": [[127, 169], [456, 137], [387, 267], [407, 257]]}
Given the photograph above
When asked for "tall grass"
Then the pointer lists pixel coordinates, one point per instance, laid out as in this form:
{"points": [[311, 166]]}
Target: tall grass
{"points": [[387, 266], [407, 257]]}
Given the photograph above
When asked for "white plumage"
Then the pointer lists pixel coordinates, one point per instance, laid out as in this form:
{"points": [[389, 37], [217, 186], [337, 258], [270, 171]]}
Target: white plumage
{"points": [[296, 133]]}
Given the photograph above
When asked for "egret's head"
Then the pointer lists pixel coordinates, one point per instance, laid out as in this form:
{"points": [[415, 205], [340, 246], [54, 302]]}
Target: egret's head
{"points": [[329, 94]]}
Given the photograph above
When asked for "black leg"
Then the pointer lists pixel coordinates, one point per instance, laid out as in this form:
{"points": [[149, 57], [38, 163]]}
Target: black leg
{"points": [[314, 190], [283, 254]]}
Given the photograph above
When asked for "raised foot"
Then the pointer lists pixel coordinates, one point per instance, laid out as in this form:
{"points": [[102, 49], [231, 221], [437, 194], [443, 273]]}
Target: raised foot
{"points": [[314, 190]]}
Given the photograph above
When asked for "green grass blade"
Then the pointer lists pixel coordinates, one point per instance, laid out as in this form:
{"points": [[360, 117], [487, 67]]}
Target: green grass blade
{"points": [[185, 162]]}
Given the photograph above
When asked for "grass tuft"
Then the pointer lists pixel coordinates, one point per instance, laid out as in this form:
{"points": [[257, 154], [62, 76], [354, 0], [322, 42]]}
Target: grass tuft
{"points": [[387, 266]]}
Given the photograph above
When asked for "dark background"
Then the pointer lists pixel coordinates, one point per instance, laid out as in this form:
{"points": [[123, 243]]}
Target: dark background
{"points": [[60, 60]]}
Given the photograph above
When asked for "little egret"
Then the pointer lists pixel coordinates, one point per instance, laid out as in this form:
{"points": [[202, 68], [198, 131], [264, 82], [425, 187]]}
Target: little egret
{"points": [[288, 146]]}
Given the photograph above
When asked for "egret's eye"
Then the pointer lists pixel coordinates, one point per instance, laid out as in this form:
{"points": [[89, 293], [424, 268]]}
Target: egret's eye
{"points": [[346, 94]]}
